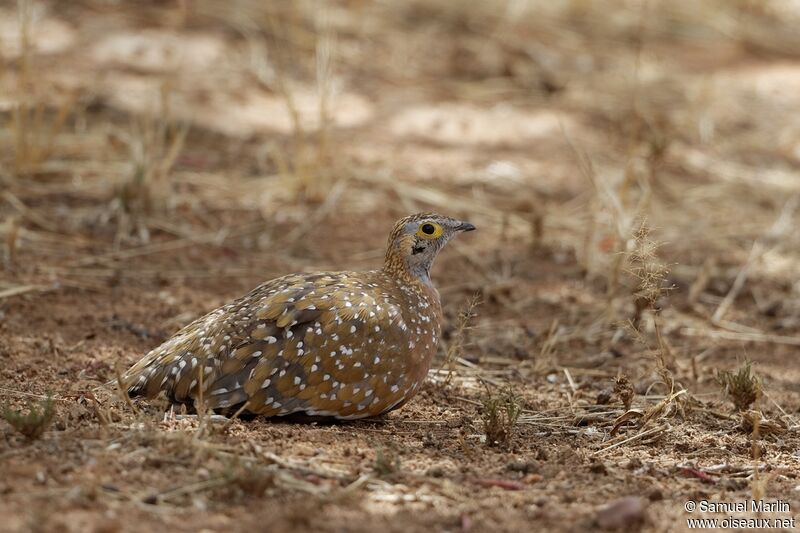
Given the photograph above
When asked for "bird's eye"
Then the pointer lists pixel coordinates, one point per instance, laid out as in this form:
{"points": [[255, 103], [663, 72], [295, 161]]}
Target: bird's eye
{"points": [[429, 230]]}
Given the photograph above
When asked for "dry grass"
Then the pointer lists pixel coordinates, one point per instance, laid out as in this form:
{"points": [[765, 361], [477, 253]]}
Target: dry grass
{"points": [[455, 348], [36, 121]]}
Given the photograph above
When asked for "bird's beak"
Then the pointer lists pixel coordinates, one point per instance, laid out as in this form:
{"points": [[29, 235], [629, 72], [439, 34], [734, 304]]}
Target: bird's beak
{"points": [[465, 226]]}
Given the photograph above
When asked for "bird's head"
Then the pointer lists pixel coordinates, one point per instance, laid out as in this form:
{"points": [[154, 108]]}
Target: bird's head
{"points": [[417, 239]]}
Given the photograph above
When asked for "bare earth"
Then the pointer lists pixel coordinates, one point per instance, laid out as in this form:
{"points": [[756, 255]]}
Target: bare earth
{"points": [[160, 159]]}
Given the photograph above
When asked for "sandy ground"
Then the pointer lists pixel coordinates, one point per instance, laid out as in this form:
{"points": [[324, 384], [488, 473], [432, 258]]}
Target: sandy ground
{"points": [[160, 159]]}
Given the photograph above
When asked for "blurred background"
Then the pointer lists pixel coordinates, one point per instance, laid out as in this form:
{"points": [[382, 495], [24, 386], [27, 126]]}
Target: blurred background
{"points": [[633, 167], [563, 121]]}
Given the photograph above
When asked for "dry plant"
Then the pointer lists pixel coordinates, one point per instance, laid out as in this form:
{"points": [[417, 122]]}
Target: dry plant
{"points": [[456, 347], [648, 272], [546, 361], [306, 163], [650, 277], [33, 423], [742, 387], [154, 146], [499, 414], [752, 419], [33, 124]]}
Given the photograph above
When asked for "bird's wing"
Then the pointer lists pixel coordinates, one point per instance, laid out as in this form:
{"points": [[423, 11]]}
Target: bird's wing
{"points": [[276, 347]]}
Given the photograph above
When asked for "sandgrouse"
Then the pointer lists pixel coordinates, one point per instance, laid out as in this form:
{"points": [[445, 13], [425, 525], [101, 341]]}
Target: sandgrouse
{"points": [[345, 345]]}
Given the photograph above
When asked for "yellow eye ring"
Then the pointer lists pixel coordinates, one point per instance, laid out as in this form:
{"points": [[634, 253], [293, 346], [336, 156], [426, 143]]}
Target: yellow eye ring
{"points": [[429, 230]]}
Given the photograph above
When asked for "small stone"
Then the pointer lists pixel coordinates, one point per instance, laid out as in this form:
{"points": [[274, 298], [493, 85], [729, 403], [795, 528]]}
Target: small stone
{"points": [[623, 514], [604, 396], [525, 467]]}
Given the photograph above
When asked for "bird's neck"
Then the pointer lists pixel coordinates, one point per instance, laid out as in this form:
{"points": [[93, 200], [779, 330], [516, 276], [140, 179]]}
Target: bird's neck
{"points": [[398, 265]]}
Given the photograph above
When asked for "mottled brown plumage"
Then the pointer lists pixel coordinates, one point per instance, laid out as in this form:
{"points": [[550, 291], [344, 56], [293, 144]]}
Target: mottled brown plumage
{"points": [[335, 344]]}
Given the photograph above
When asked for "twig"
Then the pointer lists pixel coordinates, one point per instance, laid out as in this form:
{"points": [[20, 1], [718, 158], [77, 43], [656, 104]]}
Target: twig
{"points": [[31, 215], [638, 436], [22, 289], [31, 395], [570, 380]]}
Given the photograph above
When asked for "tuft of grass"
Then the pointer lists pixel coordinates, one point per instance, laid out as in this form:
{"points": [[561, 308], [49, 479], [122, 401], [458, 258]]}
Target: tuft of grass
{"points": [[742, 387], [387, 461], [33, 423], [499, 414]]}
